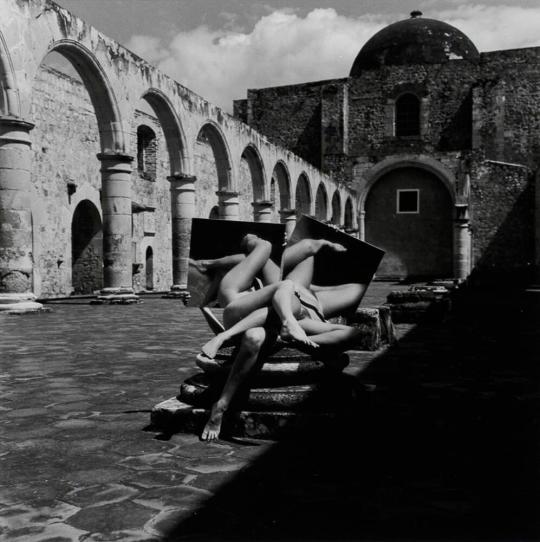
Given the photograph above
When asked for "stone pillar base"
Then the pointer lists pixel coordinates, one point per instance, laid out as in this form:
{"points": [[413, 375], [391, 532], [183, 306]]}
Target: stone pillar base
{"points": [[20, 304], [116, 296], [178, 291]]}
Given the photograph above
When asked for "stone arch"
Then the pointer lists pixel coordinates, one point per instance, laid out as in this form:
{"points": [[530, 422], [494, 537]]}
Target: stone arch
{"points": [[336, 209], [86, 249], [321, 203], [9, 96], [95, 80], [418, 161], [149, 268], [283, 179], [256, 168], [212, 134], [175, 138], [303, 196], [408, 212]]}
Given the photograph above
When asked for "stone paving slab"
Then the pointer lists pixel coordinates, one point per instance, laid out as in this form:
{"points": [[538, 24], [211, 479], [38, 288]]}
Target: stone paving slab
{"points": [[446, 444]]}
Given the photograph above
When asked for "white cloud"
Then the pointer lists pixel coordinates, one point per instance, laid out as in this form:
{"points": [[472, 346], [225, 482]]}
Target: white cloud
{"points": [[285, 48]]}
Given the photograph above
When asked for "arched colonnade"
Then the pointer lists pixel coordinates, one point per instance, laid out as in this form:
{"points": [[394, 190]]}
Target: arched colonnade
{"points": [[116, 80]]}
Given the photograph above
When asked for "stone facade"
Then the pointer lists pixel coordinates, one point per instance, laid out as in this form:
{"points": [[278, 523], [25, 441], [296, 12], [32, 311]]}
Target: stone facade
{"points": [[478, 133]]}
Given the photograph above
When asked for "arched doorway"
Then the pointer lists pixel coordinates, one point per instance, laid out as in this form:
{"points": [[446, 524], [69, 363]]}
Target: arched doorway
{"points": [[321, 204], [149, 268], [408, 213], [86, 249], [303, 196], [336, 209]]}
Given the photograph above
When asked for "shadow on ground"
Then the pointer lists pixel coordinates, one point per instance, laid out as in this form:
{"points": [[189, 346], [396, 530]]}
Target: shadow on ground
{"points": [[444, 446]]}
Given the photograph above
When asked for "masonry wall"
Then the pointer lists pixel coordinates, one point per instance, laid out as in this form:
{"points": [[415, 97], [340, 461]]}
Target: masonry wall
{"points": [[502, 219], [151, 227], [289, 116], [65, 141]]}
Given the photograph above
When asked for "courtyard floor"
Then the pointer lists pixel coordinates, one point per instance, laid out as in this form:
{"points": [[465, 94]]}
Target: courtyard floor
{"points": [[445, 446]]}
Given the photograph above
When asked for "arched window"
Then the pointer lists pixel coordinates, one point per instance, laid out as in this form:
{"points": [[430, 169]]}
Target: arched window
{"points": [[407, 115], [146, 151]]}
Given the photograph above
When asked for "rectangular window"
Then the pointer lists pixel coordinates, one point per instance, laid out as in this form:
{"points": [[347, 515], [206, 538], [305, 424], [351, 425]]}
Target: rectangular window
{"points": [[408, 201]]}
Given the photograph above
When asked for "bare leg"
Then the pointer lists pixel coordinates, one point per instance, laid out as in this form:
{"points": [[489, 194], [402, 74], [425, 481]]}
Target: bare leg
{"points": [[297, 253], [226, 262], [340, 298], [246, 360], [288, 307], [255, 319], [330, 335], [241, 276]]}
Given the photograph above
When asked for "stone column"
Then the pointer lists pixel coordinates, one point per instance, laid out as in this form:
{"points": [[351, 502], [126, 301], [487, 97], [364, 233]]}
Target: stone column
{"points": [[462, 242], [361, 225], [262, 210], [117, 220], [288, 217], [182, 211], [16, 260], [228, 205]]}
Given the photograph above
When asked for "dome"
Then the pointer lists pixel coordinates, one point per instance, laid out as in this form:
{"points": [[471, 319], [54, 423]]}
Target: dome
{"points": [[414, 41]]}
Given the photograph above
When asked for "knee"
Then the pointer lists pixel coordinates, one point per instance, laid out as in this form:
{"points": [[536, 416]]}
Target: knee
{"points": [[253, 339], [286, 284]]}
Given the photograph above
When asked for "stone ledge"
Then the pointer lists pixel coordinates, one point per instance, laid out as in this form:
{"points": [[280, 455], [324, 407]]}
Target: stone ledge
{"points": [[20, 303], [116, 299], [420, 304], [376, 326], [174, 416]]}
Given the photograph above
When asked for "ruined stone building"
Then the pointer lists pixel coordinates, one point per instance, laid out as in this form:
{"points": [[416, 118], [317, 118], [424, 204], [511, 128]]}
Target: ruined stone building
{"points": [[428, 149], [440, 142], [101, 173]]}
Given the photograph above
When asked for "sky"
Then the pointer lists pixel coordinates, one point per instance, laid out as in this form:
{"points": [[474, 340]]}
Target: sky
{"points": [[220, 48]]}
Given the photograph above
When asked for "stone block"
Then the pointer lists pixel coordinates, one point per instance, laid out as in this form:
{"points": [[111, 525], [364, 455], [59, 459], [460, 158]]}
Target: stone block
{"points": [[419, 304], [376, 326]]}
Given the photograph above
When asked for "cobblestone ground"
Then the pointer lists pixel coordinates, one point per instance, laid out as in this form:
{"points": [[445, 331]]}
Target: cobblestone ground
{"points": [[445, 445]]}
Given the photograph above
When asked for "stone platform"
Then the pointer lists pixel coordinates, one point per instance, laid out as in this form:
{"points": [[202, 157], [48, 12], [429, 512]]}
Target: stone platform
{"points": [[291, 390]]}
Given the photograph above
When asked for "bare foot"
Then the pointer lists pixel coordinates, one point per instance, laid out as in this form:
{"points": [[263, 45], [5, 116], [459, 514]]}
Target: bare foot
{"points": [[200, 265], [210, 349], [213, 425], [291, 331]]}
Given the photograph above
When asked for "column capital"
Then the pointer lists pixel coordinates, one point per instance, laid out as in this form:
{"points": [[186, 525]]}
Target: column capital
{"points": [[16, 122], [115, 156], [182, 177], [227, 194], [262, 204], [15, 130], [462, 213], [287, 212]]}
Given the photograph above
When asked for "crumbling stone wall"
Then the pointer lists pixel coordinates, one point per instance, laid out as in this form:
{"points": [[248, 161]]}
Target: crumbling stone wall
{"points": [[65, 142], [245, 191], [502, 219], [206, 184], [151, 209]]}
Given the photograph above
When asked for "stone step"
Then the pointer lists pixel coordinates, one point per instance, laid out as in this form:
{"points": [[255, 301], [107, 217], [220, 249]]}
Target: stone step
{"points": [[174, 416], [334, 392], [286, 365], [431, 303]]}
